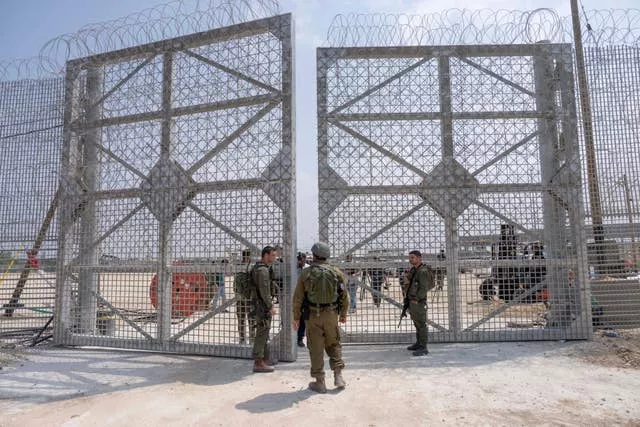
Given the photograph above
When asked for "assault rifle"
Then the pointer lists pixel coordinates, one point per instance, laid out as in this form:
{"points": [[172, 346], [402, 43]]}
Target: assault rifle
{"points": [[405, 307], [406, 301]]}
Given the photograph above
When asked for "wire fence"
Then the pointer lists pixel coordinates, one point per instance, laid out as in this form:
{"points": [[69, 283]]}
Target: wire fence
{"points": [[176, 156], [397, 146], [30, 137], [381, 144], [448, 150]]}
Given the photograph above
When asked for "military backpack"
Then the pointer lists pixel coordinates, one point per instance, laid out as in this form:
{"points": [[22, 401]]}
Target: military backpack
{"points": [[323, 287], [243, 283]]}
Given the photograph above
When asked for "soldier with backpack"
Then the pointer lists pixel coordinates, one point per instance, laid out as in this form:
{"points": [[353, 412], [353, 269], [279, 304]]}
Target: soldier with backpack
{"points": [[320, 297], [262, 278]]}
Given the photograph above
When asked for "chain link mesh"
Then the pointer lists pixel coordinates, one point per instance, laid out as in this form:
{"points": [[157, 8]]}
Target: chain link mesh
{"points": [[361, 155], [30, 136], [177, 160], [614, 84], [177, 157], [470, 155]]}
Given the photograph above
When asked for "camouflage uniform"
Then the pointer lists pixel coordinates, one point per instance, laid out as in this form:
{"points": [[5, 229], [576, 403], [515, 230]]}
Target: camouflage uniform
{"points": [[262, 276], [322, 326], [420, 282], [243, 313]]}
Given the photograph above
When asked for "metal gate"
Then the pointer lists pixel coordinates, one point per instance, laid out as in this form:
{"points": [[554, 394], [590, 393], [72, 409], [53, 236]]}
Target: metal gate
{"points": [[178, 156], [470, 155]]}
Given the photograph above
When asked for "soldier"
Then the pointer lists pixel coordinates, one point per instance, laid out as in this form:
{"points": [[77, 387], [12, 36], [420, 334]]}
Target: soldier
{"points": [[219, 284], [378, 277], [262, 276], [278, 269], [320, 294], [353, 282], [302, 263], [418, 282], [243, 307], [440, 270]]}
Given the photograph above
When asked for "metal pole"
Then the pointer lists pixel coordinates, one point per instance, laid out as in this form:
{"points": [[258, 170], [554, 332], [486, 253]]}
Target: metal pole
{"points": [[88, 280], [627, 198], [587, 123], [164, 268], [323, 61], [553, 213], [450, 222], [286, 347], [582, 286]]}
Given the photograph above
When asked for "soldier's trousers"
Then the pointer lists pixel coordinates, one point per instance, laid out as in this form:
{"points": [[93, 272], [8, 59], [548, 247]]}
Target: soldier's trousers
{"points": [[323, 335], [243, 308], [440, 274], [418, 313], [260, 347], [377, 286]]}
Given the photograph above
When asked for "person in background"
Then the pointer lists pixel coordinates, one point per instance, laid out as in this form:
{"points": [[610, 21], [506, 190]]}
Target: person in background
{"points": [[440, 270], [220, 285], [353, 283], [377, 275]]}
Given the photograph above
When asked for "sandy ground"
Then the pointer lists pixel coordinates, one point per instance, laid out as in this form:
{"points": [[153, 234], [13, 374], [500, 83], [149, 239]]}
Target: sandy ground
{"points": [[497, 384]]}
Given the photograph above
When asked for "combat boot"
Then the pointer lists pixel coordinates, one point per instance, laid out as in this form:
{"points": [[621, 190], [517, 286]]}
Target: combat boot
{"points": [[318, 385], [421, 351], [270, 362], [261, 367], [414, 346], [338, 381]]}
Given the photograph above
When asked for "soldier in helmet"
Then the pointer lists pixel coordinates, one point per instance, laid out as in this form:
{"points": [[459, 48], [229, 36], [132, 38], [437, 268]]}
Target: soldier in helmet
{"points": [[320, 295]]}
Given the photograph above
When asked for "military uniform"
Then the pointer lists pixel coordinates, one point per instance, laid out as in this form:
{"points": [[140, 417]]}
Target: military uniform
{"points": [[420, 282], [322, 327], [243, 313], [262, 276], [302, 327]]}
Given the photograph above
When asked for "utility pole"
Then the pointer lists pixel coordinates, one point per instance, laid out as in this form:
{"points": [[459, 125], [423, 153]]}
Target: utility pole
{"points": [[627, 197], [587, 123]]}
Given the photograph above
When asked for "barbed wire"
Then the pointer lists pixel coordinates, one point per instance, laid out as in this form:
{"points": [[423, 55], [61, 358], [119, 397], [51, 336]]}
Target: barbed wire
{"points": [[173, 19], [483, 26]]}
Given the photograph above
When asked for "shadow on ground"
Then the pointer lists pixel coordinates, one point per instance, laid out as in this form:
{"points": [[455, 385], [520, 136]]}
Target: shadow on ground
{"points": [[53, 374]]}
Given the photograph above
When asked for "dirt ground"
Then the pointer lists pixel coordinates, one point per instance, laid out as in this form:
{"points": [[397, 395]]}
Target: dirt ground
{"points": [[497, 384]]}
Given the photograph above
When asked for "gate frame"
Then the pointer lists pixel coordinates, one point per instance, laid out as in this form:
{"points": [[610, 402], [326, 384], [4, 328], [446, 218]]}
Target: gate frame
{"points": [[562, 190], [76, 202]]}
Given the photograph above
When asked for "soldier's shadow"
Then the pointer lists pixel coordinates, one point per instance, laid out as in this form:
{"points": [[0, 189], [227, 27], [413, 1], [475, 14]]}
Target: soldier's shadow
{"points": [[273, 402]]}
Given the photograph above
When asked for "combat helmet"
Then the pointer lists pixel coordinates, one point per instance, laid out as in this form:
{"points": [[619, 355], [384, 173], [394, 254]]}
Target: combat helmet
{"points": [[321, 250]]}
